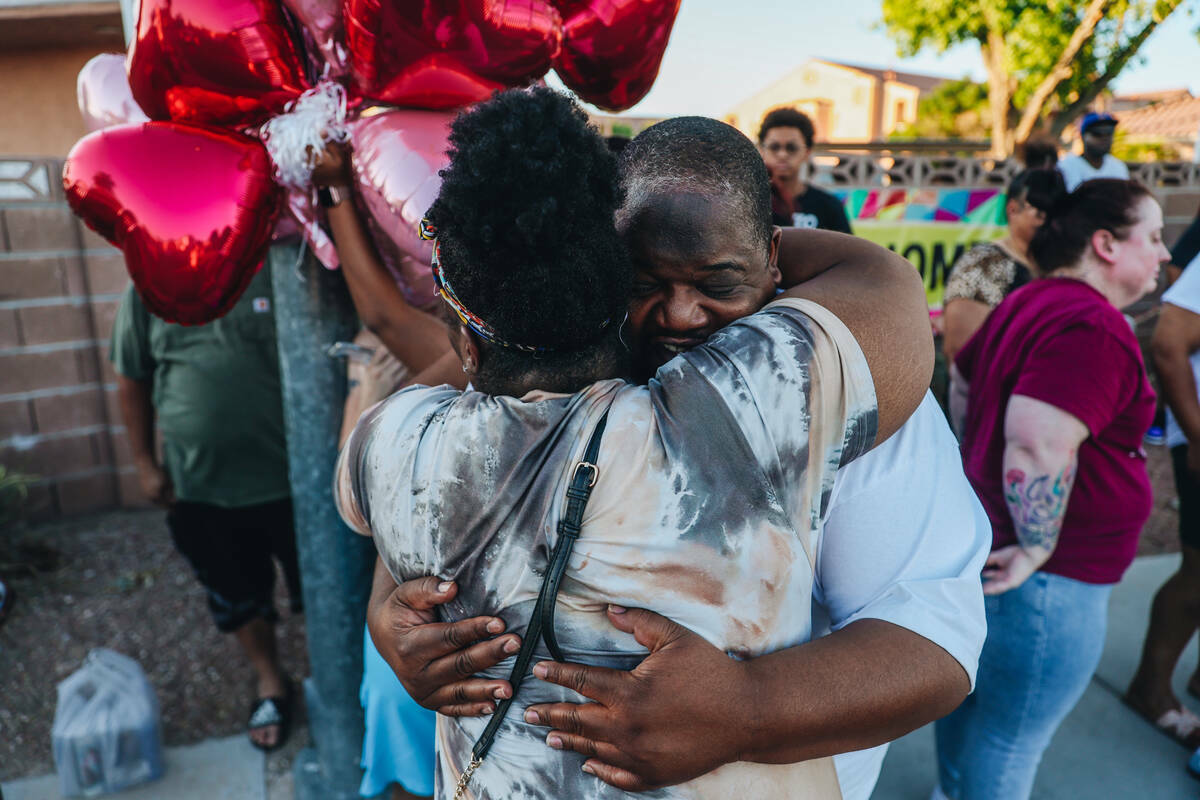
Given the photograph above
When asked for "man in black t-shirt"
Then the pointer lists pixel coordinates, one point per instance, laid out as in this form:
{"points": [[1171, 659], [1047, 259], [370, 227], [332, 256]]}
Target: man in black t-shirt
{"points": [[785, 140]]}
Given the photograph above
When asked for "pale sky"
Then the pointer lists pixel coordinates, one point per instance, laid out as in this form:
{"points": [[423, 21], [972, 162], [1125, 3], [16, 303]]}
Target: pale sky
{"points": [[722, 51]]}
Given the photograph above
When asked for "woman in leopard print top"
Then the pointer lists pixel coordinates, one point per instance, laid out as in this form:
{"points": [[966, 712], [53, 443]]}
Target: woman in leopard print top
{"points": [[988, 272]]}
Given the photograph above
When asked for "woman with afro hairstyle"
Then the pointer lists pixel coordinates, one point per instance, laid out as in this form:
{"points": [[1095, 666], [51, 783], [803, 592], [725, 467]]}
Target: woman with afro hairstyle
{"points": [[708, 485]]}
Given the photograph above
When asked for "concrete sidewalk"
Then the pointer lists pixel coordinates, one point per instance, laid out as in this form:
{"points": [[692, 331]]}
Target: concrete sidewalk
{"points": [[215, 769], [1102, 750]]}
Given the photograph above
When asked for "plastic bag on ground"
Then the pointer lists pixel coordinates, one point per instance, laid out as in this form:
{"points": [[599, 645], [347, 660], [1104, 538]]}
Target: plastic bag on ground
{"points": [[106, 733]]}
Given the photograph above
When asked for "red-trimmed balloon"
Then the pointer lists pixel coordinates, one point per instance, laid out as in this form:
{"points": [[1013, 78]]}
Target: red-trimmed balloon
{"points": [[226, 62], [612, 49], [437, 54], [192, 209], [102, 89], [397, 155]]}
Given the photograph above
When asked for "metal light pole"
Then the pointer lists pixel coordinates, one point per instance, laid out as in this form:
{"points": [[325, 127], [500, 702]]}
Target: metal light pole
{"points": [[312, 311], [129, 15]]}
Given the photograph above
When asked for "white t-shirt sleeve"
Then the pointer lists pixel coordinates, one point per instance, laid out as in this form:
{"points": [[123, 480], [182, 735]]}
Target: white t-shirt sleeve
{"points": [[905, 541], [1185, 292]]}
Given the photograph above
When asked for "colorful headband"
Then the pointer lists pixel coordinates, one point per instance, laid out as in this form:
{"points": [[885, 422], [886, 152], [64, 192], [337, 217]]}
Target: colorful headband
{"points": [[473, 321]]}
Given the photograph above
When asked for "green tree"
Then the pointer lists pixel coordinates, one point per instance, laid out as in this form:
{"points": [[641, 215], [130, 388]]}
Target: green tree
{"points": [[954, 110], [1143, 151], [1046, 60]]}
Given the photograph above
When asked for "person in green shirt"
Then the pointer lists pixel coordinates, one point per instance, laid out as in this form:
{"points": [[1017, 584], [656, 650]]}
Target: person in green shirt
{"points": [[214, 391]]}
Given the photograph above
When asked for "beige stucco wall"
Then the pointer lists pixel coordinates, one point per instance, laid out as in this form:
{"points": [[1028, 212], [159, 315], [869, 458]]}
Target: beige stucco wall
{"points": [[849, 96], [895, 94], [37, 93]]}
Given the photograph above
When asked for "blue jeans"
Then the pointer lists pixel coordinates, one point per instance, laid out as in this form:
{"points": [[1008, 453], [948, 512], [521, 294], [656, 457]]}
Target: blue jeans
{"points": [[1043, 644]]}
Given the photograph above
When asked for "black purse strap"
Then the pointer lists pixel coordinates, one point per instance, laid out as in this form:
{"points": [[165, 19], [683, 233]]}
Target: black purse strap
{"points": [[541, 623]]}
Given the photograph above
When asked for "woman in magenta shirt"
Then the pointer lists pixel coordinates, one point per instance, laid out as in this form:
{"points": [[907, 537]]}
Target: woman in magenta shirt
{"points": [[1056, 403]]}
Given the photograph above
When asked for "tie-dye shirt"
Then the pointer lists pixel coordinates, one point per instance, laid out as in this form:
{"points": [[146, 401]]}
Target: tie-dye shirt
{"points": [[713, 481]]}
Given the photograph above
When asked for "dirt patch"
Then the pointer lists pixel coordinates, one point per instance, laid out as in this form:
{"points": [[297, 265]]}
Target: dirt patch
{"points": [[120, 584]]}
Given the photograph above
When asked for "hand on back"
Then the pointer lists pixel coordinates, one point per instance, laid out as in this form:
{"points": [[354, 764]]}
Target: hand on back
{"points": [[632, 732], [437, 661]]}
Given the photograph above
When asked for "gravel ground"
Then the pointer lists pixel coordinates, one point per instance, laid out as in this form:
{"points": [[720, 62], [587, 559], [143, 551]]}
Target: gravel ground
{"points": [[121, 585]]}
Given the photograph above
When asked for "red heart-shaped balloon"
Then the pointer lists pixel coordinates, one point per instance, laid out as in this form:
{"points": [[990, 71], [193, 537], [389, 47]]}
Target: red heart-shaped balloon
{"points": [[192, 208], [612, 49], [228, 62], [442, 54]]}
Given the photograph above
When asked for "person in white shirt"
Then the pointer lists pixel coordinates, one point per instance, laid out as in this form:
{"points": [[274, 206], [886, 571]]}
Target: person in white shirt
{"points": [[1176, 609], [1097, 130]]}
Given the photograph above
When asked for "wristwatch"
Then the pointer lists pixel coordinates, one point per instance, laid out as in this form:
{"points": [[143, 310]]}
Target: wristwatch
{"points": [[330, 196]]}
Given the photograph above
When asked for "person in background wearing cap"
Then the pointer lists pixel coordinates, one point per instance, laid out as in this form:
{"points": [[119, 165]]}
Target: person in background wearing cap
{"points": [[1096, 161]]}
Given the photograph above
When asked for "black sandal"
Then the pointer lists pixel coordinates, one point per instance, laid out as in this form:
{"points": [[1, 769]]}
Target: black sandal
{"points": [[267, 712]]}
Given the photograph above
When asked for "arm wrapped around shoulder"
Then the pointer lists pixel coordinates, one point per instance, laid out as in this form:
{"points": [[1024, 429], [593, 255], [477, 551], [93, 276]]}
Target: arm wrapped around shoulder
{"points": [[880, 297]]}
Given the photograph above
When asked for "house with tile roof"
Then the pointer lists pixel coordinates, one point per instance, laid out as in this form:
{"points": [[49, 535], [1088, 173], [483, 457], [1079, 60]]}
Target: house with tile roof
{"points": [[1173, 121], [847, 102], [1130, 102]]}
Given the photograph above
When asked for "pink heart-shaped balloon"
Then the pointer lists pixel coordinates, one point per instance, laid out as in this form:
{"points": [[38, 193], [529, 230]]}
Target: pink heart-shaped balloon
{"points": [[303, 218], [192, 209], [397, 155], [103, 93], [612, 49], [441, 54], [231, 62]]}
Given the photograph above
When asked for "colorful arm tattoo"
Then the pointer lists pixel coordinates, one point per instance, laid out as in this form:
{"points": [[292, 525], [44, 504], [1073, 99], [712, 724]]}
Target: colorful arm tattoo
{"points": [[1038, 504]]}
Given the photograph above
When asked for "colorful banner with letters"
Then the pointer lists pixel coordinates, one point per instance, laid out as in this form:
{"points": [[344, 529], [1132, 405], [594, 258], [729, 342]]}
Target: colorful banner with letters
{"points": [[930, 227]]}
